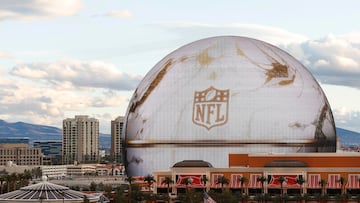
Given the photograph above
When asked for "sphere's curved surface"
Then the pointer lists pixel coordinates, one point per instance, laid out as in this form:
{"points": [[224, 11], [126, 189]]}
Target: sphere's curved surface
{"points": [[225, 95]]}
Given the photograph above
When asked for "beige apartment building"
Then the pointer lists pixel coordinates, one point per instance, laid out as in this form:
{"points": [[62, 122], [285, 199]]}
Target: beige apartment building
{"points": [[20, 154], [116, 140], [80, 140]]}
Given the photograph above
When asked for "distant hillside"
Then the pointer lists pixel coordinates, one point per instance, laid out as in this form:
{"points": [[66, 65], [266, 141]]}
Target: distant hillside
{"points": [[348, 137], [42, 132]]}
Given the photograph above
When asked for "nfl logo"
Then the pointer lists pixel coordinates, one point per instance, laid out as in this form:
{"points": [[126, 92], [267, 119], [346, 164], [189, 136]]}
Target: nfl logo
{"points": [[211, 107]]}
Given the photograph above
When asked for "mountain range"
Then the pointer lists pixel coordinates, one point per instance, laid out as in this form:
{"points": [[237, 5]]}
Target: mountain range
{"points": [[43, 132], [37, 132]]}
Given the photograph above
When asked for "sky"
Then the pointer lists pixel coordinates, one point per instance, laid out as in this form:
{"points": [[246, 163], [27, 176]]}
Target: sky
{"points": [[61, 58]]}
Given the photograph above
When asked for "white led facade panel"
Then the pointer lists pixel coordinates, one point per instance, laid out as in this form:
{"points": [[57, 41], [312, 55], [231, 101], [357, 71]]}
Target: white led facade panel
{"points": [[225, 95]]}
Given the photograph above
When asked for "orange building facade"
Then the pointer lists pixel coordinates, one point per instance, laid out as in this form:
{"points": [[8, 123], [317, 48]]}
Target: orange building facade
{"points": [[328, 173]]}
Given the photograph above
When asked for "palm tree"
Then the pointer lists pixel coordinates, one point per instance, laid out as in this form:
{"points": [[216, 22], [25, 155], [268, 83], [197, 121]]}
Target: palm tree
{"points": [[130, 180], [167, 181], [322, 183], [149, 179], [300, 180], [36, 172], [186, 182], [3, 175], [27, 176], [204, 180], [242, 181], [14, 178], [8, 181], [342, 181], [2, 179], [21, 178], [223, 181], [281, 180], [262, 179]]}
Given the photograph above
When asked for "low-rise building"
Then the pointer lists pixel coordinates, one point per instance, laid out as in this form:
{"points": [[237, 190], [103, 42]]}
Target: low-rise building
{"points": [[20, 154], [81, 169], [110, 170], [54, 171], [313, 168]]}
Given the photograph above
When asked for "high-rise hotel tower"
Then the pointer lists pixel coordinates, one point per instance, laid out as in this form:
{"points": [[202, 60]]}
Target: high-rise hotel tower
{"points": [[80, 140], [116, 140]]}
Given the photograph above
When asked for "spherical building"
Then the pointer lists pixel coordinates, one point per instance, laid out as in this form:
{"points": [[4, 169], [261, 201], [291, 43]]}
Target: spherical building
{"points": [[225, 95]]}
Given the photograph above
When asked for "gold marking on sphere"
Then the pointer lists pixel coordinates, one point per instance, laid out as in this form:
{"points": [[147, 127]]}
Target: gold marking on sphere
{"points": [[203, 58], [213, 76], [184, 58], [287, 82], [239, 51], [152, 86], [278, 71]]}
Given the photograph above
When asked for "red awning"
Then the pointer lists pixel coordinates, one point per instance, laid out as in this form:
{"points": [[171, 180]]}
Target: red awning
{"points": [[236, 185], [214, 185], [290, 181], [353, 182], [333, 181], [214, 179], [253, 183], [313, 181], [235, 181], [195, 181], [161, 184]]}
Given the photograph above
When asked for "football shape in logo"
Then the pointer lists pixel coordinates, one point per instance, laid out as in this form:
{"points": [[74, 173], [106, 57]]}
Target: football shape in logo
{"points": [[211, 107]]}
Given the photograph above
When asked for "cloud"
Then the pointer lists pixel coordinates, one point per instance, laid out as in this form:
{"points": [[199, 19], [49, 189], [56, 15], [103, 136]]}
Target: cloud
{"points": [[82, 74], [32, 101], [48, 92], [5, 55], [269, 34], [333, 59], [347, 119], [120, 14], [37, 9]]}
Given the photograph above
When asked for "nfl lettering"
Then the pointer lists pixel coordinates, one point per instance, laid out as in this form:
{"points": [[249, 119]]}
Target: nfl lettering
{"points": [[211, 107]]}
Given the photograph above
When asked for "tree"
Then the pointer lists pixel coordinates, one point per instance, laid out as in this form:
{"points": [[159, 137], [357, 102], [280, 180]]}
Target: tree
{"points": [[281, 180], [36, 172], [204, 180], [13, 179], [342, 182], [262, 179], [242, 181], [3, 177], [167, 181], [300, 180], [149, 179], [130, 180], [223, 181], [322, 183], [93, 186], [27, 176], [186, 182]]}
